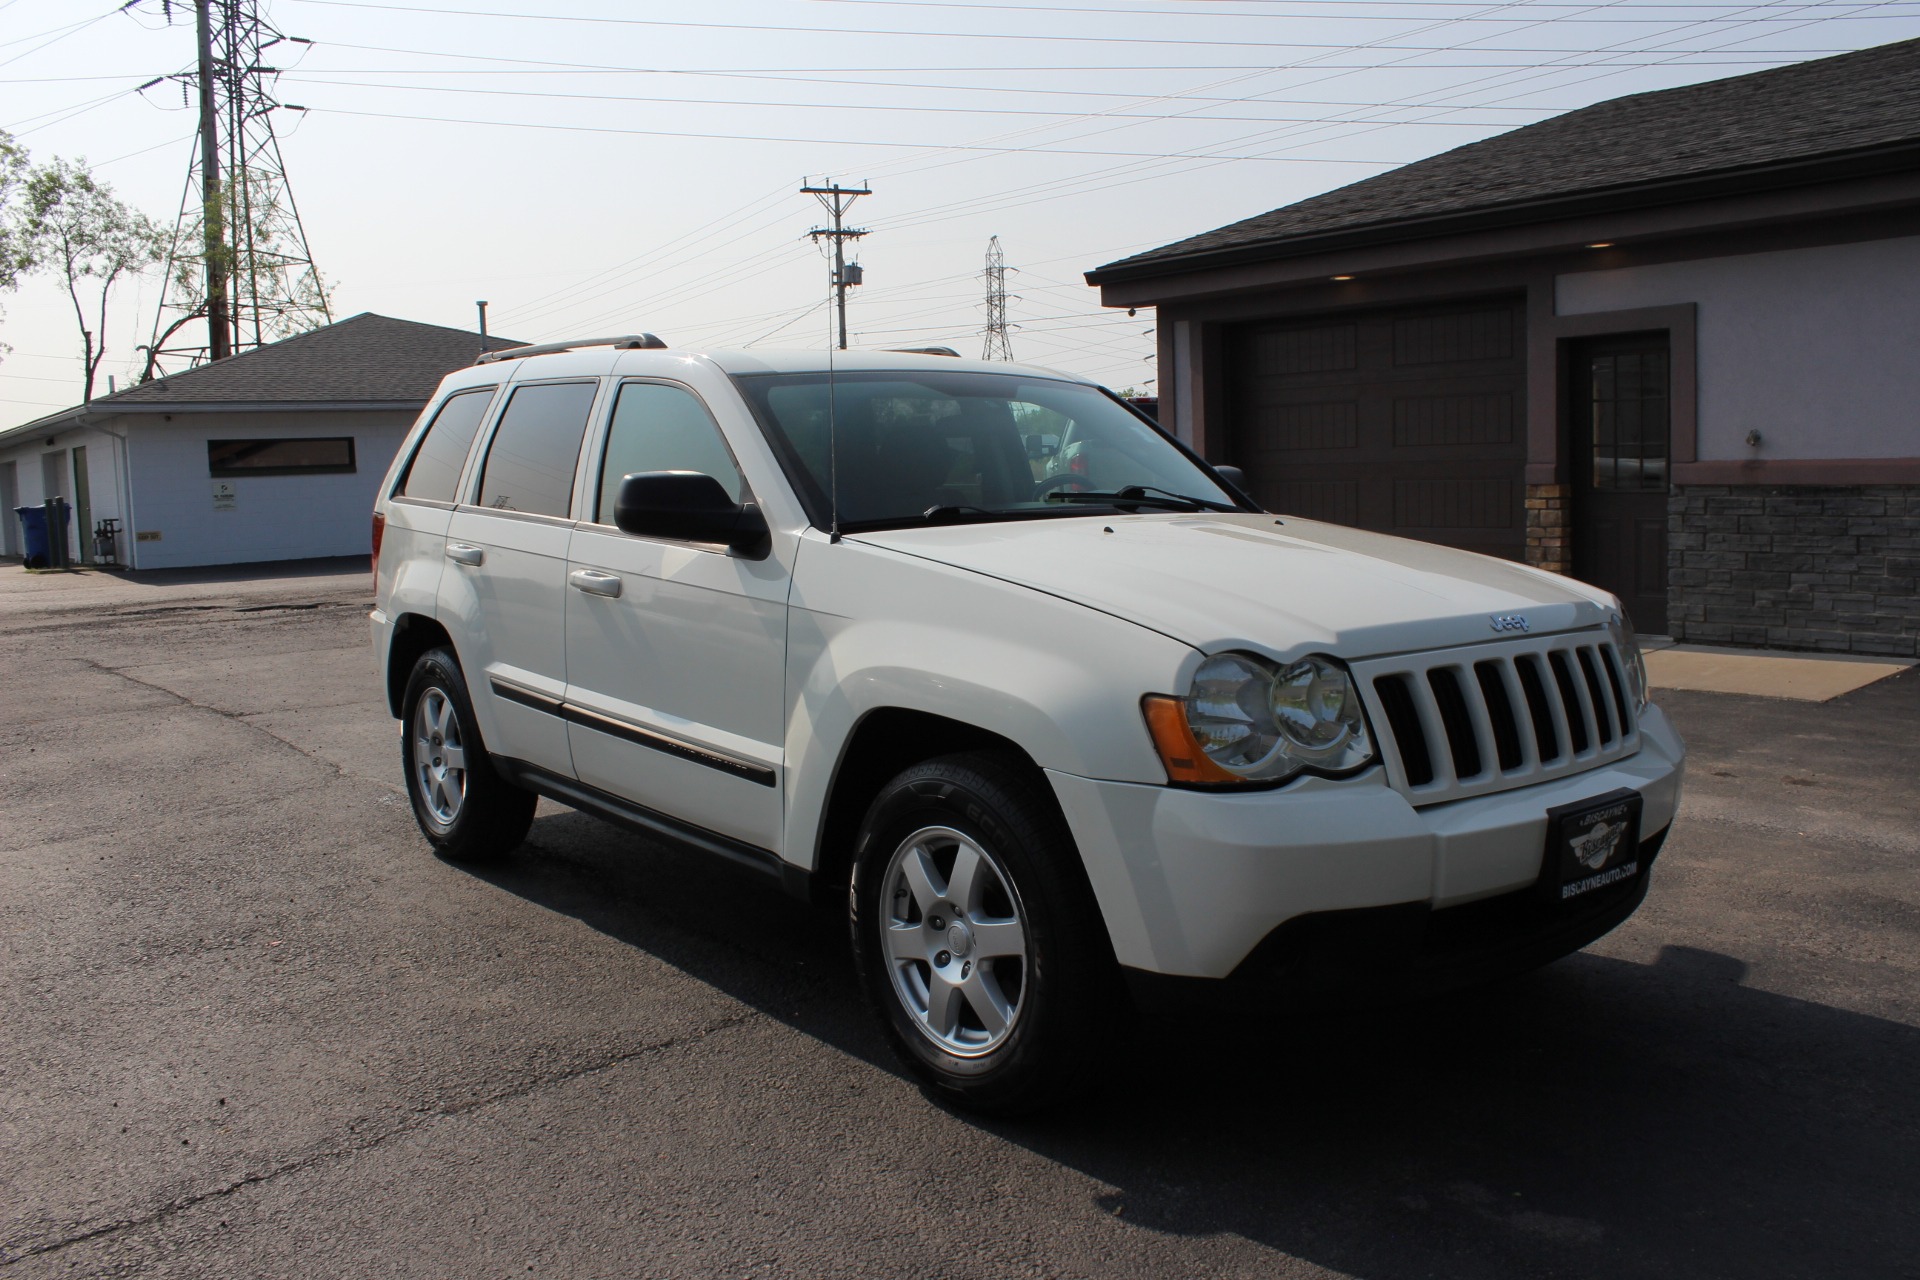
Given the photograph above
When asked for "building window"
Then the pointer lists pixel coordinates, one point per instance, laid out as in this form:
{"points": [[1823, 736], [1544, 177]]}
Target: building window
{"points": [[311, 454]]}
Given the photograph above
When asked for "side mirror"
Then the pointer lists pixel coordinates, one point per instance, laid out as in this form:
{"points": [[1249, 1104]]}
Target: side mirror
{"points": [[689, 506], [1236, 478], [1042, 446]]}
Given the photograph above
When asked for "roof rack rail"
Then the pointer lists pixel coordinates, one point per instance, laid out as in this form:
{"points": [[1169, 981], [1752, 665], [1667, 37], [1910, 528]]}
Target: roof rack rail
{"points": [[923, 351], [624, 342]]}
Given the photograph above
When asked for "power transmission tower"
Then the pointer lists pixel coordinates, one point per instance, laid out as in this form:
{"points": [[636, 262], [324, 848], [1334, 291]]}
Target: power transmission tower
{"points": [[997, 345], [837, 200], [239, 258]]}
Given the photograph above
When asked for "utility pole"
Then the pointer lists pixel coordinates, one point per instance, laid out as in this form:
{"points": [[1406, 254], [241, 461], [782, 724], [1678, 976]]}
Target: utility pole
{"points": [[997, 345], [239, 259], [211, 220], [837, 200]]}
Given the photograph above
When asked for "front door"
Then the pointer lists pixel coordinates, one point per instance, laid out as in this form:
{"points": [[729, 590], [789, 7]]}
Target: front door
{"points": [[676, 651], [1620, 454]]}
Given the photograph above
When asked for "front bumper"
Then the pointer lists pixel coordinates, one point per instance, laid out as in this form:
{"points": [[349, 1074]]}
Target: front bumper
{"points": [[1191, 883]]}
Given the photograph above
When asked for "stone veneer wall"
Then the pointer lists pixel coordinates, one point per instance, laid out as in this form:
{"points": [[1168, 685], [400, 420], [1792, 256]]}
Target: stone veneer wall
{"points": [[1801, 567], [1548, 541]]}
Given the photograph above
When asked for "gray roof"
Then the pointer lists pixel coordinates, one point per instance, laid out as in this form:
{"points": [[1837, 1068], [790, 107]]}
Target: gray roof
{"points": [[1646, 148], [366, 358]]}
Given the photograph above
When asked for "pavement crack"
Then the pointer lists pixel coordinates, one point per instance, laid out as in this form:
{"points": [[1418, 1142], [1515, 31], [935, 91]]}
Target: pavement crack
{"points": [[237, 717], [12, 1254]]}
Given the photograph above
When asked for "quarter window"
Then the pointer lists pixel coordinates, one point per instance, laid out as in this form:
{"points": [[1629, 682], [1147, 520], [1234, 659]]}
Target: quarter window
{"points": [[530, 463], [436, 467], [662, 428]]}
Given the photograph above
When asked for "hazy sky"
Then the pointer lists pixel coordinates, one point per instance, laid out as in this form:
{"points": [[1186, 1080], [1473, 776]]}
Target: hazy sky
{"points": [[590, 167]]}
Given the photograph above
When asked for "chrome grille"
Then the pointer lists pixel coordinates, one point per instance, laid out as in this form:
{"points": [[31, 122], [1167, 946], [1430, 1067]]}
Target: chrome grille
{"points": [[1469, 721]]}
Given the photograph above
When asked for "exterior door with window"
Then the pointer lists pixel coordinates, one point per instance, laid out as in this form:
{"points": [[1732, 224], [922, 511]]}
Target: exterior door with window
{"points": [[506, 616], [676, 651], [1622, 434]]}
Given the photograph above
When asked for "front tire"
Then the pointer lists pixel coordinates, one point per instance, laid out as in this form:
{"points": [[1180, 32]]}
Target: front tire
{"points": [[467, 811], [977, 937]]}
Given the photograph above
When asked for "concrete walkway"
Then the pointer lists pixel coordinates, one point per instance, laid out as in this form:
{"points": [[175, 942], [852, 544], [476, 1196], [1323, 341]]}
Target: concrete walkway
{"points": [[1764, 673]]}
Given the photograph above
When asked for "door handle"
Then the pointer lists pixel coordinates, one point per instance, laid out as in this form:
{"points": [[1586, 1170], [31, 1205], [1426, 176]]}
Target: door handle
{"points": [[461, 553], [595, 583]]}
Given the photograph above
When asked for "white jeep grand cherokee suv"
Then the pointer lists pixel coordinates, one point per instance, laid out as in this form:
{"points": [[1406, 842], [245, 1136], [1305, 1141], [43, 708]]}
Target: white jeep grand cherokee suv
{"points": [[1065, 717]]}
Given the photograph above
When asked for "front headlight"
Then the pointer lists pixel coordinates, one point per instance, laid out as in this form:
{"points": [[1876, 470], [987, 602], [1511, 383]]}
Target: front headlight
{"points": [[1246, 719], [1620, 631]]}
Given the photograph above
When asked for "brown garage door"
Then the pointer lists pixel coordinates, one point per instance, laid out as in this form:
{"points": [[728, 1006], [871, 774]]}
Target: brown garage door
{"points": [[1408, 421]]}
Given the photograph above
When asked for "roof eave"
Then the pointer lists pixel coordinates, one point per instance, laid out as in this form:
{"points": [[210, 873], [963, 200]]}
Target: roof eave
{"points": [[1830, 167], [99, 411]]}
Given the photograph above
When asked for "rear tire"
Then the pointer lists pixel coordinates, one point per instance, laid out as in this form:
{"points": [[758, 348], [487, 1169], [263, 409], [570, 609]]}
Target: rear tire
{"points": [[977, 937], [467, 811]]}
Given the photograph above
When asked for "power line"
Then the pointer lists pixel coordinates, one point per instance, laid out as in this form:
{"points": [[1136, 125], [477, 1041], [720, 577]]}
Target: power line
{"points": [[753, 137], [1076, 39]]}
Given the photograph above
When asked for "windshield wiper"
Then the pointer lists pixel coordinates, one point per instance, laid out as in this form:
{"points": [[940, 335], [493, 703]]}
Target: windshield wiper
{"points": [[952, 512], [1145, 495]]}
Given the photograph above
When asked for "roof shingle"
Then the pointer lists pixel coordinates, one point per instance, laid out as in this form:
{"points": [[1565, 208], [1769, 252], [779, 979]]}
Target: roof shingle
{"points": [[1849, 103], [365, 358]]}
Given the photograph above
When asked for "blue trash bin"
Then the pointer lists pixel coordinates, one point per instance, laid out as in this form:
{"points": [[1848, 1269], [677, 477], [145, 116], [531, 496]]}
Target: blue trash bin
{"points": [[33, 530]]}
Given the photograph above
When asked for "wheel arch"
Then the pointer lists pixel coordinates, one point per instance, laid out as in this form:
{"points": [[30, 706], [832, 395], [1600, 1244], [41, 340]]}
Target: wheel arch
{"points": [[413, 635], [885, 741]]}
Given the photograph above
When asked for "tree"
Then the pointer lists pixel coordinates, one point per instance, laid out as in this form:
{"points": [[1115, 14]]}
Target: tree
{"points": [[15, 256], [77, 229]]}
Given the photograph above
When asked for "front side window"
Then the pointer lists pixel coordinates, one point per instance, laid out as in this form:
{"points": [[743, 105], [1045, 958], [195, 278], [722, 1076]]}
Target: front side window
{"points": [[435, 470], [657, 427], [530, 463], [911, 447]]}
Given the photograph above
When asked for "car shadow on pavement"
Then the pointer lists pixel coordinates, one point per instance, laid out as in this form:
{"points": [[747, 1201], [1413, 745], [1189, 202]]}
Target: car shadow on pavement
{"points": [[1599, 1117]]}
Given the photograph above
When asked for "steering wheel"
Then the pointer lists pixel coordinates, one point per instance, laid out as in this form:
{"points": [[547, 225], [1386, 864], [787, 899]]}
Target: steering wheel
{"points": [[1061, 480]]}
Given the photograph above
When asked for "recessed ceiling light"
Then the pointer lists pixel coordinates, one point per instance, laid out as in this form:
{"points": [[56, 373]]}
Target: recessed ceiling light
{"points": [[1342, 277], [1601, 244]]}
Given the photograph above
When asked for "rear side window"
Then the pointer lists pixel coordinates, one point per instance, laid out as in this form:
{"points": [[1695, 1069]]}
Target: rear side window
{"points": [[530, 463], [436, 467], [661, 428]]}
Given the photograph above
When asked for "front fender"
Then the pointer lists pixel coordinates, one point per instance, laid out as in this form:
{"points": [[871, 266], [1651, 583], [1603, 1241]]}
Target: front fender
{"points": [[872, 629]]}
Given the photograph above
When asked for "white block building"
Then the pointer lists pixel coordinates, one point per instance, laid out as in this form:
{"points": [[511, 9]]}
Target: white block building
{"points": [[269, 455]]}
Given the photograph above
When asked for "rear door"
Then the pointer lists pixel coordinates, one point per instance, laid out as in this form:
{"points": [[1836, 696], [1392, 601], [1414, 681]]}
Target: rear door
{"points": [[676, 651], [413, 547], [504, 580]]}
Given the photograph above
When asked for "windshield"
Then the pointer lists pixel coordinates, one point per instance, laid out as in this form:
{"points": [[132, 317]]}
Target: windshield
{"points": [[951, 447]]}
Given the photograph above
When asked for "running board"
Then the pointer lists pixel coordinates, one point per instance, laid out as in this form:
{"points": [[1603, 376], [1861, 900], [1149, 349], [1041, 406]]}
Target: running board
{"points": [[577, 795]]}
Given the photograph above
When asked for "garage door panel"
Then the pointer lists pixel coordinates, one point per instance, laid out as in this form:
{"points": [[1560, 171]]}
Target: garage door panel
{"points": [[1307, 349], [1475, 418], [1456, 337], [1335, 501], [1448, 503], [1312, 426], [1420, 434]]}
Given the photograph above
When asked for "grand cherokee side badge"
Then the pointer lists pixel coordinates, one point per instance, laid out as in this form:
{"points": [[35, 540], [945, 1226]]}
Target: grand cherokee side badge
{"points": [[1509, 622]]}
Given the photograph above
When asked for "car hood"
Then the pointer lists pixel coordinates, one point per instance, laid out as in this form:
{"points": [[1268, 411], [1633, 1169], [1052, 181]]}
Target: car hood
{"points": [[1284, 586]]}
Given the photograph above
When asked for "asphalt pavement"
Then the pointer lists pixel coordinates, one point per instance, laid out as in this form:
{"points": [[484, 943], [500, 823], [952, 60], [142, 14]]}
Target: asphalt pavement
{"points": [[249, 1026]]}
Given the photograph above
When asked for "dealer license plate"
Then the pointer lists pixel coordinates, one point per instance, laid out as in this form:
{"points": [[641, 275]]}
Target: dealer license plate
{"points": [[1592, 845]]}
